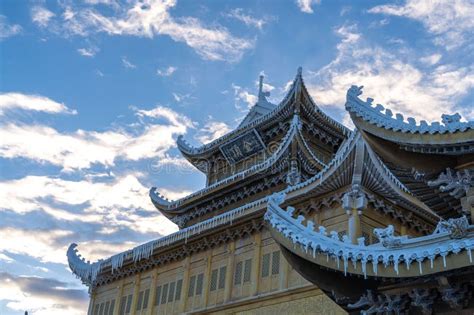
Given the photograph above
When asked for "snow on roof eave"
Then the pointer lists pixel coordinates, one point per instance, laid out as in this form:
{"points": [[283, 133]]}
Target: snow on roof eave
{"points": [[382, 118], [310, 242], [88, 272]]}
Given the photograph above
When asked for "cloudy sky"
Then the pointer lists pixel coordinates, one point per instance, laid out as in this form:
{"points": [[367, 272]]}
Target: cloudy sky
{"points": [[94, 93]]}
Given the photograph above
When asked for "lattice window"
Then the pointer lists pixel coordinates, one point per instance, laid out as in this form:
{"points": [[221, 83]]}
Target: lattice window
{"points": [[146, 296], [247, 270], [179, 286], [238, 274], [129, 304], [199, 283], [158, 295], [101, 308], [171, 292], [112, 307], [222, 272], [276, 263], [140, 301], [192, 283], [266, 265], [123, 303], [213, 280], [164, 294], [106, 309]]}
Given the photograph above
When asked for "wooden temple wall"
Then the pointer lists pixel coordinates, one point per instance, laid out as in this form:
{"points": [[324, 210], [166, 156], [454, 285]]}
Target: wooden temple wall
{"points": [[246, 276]]}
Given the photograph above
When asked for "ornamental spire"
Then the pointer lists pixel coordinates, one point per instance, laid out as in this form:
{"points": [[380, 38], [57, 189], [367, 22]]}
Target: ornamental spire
{"points": [[262, 95]]}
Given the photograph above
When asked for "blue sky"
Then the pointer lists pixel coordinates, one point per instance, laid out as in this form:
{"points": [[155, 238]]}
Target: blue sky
{"points": [[94, 93]]}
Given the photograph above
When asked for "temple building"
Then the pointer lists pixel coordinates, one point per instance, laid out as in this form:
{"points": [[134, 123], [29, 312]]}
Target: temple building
{"points": [[301, 215]]}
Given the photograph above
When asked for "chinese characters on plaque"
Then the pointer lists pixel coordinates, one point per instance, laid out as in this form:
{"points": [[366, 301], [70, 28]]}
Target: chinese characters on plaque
{"points": [[244, 146]]}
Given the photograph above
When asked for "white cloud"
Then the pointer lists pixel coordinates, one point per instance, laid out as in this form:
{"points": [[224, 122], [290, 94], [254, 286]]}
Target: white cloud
{"points": [[242, 94], [305, 5], [88, 52], [431, 59], [41, 245], [166, 72], [393, 82], [212, 130], [121, 203], [149, 18], [41, 16], [81, 149], [41, 296], [6, 258], [451, 21], [249, 20], [13, 100], [174, 195], [127, 64], [8, 30]]}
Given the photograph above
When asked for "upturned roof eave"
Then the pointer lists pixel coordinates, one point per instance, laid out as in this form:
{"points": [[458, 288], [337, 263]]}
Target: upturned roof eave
{"points": [[379, 121], [391, 258]]}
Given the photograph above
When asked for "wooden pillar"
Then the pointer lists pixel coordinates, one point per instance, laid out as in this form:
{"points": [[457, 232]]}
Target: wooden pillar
{"points": [[136, 289], [257, 251], [151, 298], [118, 297], [186, 267], [354, 227], [230, 268], [403, 230], [207, 278]]}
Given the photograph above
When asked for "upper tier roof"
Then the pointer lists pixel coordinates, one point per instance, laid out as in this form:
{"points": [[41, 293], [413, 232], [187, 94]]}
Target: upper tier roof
{"points": [[261, 114]]}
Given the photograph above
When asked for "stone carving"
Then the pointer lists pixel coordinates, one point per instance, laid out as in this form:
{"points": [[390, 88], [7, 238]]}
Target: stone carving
{"points": [[380, 304], [457, 184], [354, 199], [450, 119], [456, 296], [387, 238], [294, 175], [424, 299], [456, 227]]}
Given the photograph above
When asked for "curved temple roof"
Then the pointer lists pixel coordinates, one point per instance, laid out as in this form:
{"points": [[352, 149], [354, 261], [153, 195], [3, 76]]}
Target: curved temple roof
{"points": [[297, 86], [166, 205], [375, 176], [380, 121], [391, 257]]}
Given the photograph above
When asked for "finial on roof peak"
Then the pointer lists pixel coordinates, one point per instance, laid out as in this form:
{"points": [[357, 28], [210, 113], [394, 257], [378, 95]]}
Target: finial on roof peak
{"points": [[260, 84], [261, 94], [300, 71]]}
